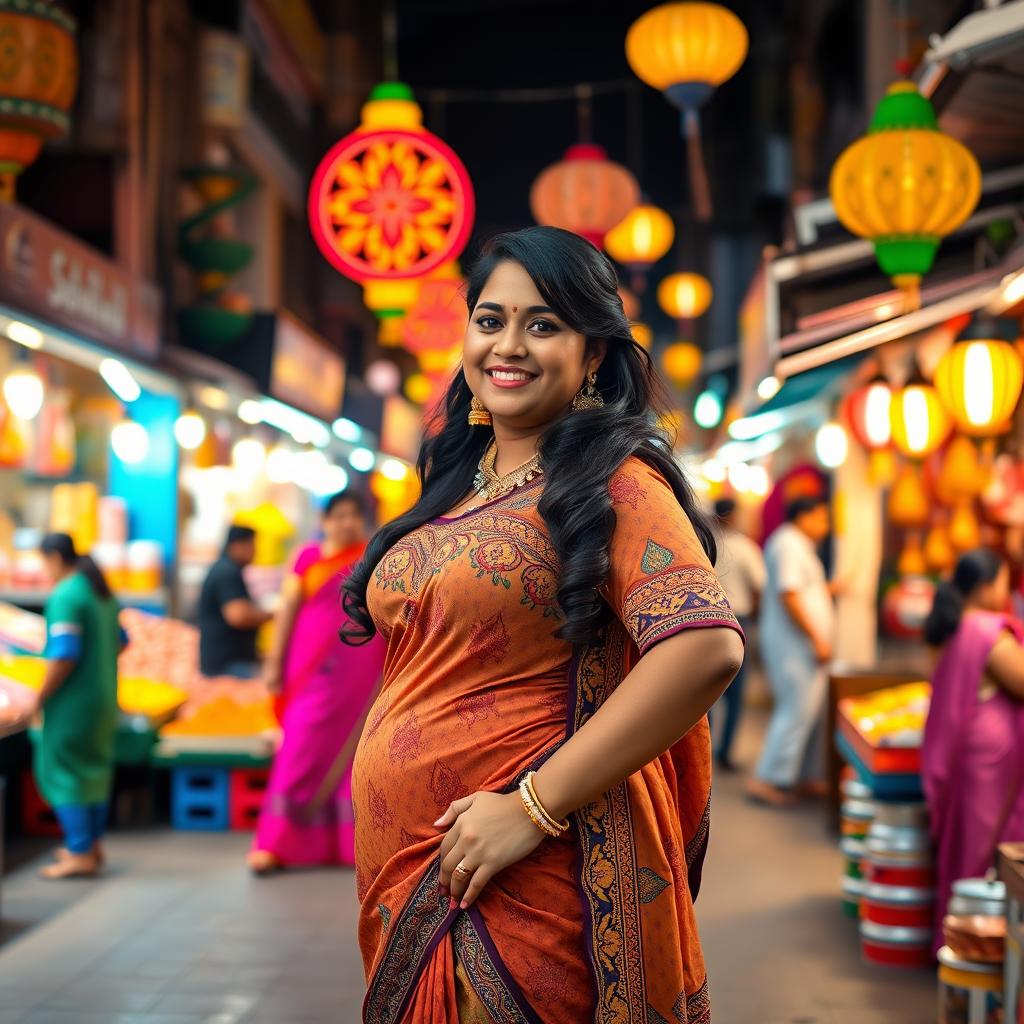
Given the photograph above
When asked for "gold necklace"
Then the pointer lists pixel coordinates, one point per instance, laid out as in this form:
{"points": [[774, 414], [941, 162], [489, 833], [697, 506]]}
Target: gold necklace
{"points": [[489, 485]]}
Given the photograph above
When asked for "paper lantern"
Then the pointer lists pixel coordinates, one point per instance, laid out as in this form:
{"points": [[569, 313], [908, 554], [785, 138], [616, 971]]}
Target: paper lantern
{"points": [[905, 185], [939, 553], [868, 413], [38, 79], [681, 362], [390, 200], [979, 378], [964, 531], [686, 50], [585, 192], [684, 296], [641, 238], [912, 561], [642, 335], [909, 506], [920, 423], [961, 476]]}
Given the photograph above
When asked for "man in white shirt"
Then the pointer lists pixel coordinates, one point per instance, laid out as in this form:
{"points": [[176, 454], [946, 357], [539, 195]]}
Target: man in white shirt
{"points": [[740, 569], [797, 632]]}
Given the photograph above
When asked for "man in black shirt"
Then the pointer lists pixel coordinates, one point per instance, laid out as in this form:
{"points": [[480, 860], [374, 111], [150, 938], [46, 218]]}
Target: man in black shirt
{"points": [[228, 617]]}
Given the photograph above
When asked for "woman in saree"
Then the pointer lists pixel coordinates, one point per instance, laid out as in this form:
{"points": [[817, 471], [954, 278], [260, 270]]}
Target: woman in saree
{"points": [[532, 785], [324, 690], [972, 761]]}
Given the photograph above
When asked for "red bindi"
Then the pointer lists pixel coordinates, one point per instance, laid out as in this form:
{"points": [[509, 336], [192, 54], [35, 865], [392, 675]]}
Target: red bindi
{"points": [[515, 309]]}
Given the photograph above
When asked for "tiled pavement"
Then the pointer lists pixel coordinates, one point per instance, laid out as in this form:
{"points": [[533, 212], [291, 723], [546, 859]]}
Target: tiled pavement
{"points": [[177, 933]]}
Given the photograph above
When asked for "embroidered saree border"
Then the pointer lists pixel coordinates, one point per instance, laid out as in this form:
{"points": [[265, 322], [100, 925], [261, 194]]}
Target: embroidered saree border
{"points": [[493, 984], [415, 933], [675, 600]]}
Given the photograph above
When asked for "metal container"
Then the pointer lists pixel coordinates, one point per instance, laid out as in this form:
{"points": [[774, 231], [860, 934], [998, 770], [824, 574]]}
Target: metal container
{"points": [[913, 816], [856, 817], [852, 890], [894, 946], [854, 789], [898, 906], [977, 896], [969, 993]]}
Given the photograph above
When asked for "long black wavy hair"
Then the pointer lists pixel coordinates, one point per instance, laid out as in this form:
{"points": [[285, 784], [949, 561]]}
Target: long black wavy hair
{"points": [[61, 545], [579, 452], [973, 570]]}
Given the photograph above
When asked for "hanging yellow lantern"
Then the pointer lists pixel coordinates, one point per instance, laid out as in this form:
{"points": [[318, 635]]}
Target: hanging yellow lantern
{"points": [[684, 296], [641, 238], [938, 551], [920, 423], [908, 501], [905, 185], [686, 50], [681, 362], [912, 561], [979, 378], [964, 531]]}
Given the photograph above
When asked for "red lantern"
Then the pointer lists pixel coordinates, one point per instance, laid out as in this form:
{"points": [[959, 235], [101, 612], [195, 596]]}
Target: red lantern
{"points": [[868, 413], [585, 192]]}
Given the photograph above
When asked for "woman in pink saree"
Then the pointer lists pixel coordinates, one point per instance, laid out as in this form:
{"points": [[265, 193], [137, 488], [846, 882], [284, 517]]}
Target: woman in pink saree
{"points": [[324, 690], [972, 761]]}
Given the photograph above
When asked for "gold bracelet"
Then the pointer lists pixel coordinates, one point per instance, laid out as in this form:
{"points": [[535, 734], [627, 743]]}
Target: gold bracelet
{"points": [[559, 826], [533, 813]]}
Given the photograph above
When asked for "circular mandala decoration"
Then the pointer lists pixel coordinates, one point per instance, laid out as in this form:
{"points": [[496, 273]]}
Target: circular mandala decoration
{"points": [[390, 204]]}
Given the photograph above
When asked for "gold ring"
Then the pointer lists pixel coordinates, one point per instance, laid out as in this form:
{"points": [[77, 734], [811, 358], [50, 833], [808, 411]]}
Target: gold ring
{"points": [[462, 871]]}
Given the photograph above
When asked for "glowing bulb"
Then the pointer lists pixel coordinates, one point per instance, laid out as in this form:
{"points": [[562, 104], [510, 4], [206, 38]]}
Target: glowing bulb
{"points": [[214, 398], [330, 480], [346, 430], [759, 482], [1013, 291], [249, 456], [768, 388], [383, 377], [250, 412], [130, 442], [739, 476], [393, 469], [24, 393], [877, 421], [281, 465], [120, 380], [831, 445], [310, 469], [915, 415], [713, 471], [979, 385], [24, 334], [707, 410], [190, 430], [362, 460]]}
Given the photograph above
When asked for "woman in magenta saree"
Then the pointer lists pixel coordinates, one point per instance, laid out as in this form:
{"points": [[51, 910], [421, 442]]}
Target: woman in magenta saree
{"points": [[324, 690], [972, 762]]}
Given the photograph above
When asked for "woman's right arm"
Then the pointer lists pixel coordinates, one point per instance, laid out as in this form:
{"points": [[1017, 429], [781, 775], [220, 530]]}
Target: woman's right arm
{"points": [[284, 623], [1006, 665]]}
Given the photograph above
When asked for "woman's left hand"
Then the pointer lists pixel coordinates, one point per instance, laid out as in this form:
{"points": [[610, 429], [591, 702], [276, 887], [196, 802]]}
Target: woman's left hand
{"points": [[486, 833]]}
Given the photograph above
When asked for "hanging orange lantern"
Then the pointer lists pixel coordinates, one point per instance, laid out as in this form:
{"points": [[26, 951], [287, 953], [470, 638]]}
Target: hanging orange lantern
{"points": [[642, 335], [961, 476], [585, 192], [641, 238], [909, 506], [912, 561], [964, 531], [38, 79], [979, 378], [685, 296], [939, 553], [681, 362], [920, 423]]}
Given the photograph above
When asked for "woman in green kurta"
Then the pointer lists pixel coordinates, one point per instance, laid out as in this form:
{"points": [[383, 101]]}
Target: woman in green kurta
{"points": [[74, 763]]}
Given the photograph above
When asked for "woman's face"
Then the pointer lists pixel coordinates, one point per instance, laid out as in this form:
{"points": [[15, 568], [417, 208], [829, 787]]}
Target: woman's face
{"points": [[995, 596], [53, 567], [520, 358], [343, 525]]}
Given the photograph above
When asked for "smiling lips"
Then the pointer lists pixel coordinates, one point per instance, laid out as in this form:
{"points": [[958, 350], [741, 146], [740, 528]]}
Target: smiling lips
{"points": [[509, 377]]}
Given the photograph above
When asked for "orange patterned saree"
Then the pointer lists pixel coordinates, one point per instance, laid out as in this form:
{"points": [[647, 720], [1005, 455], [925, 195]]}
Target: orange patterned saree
{"points": [[599, 925]]}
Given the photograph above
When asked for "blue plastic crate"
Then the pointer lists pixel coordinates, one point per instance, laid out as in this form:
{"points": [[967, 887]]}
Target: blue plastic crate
{"points": [[200, 799]]}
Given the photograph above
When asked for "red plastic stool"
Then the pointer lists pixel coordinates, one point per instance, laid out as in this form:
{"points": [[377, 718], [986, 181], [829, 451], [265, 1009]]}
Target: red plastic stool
{"points": [[248, 787], [37, 817]]}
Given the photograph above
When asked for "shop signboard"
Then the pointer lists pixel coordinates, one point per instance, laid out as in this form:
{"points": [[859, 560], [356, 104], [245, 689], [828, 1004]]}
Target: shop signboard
{"points": [[304, 372], [59, 279]]}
